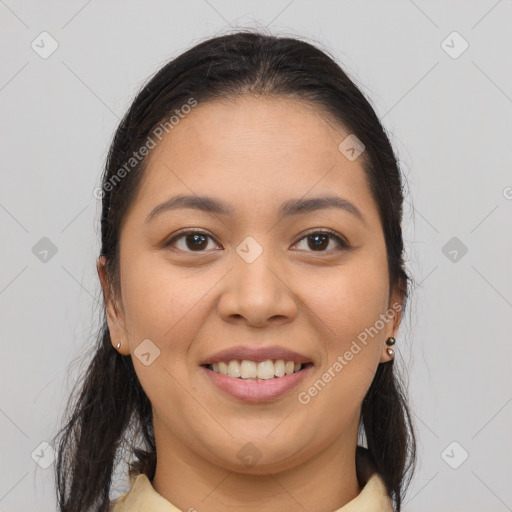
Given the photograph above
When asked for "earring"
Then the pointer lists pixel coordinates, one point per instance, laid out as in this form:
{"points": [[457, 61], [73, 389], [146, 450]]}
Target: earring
{"points": [[390, 341], [390, 352], [118, 345]]}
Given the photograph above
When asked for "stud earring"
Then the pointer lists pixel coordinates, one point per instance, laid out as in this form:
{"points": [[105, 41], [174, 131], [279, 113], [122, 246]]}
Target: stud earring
{"points": [[390, 341], [390, 352], [118, 345]]}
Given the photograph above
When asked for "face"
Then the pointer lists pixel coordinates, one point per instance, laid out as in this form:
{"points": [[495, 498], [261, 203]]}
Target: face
{"points": [[309, 279]]}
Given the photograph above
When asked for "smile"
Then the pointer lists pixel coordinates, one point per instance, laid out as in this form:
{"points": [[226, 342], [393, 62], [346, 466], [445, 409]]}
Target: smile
{"points": [[263, 370], [256, 382]]}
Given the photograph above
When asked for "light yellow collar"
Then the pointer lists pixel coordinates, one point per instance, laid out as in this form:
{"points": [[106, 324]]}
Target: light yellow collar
{"points": [[142, 497]]}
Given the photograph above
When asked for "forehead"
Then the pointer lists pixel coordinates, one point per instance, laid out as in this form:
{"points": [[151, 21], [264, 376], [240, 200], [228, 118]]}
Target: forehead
{"points": [[269, 129], [253, 151]]}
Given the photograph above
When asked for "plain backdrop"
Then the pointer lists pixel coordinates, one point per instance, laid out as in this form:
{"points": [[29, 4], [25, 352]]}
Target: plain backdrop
{"points": [[438, 74]]}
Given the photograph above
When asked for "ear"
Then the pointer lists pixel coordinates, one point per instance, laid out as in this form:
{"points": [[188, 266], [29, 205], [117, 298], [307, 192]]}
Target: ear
{"points": [[394, 314], [115, 315]]}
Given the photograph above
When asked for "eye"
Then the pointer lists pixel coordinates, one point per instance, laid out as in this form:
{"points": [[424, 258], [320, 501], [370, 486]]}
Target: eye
{"points": [[197, 241], [190, 241], [318, 241]]}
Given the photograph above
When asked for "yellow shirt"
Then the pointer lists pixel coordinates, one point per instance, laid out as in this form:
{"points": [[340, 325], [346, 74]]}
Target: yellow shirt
{"points": [[143, 498]]}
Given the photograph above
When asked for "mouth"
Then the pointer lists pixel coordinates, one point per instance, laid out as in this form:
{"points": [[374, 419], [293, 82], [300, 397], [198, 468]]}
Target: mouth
{"points": [[251, 381], [256, 371]]}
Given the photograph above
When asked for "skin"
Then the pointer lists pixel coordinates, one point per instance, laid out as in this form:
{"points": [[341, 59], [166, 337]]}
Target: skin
{"points": [[253, 153]]}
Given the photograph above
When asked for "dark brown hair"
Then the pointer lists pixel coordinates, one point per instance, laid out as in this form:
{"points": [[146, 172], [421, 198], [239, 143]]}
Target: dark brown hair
{"points": [[111, 413]]}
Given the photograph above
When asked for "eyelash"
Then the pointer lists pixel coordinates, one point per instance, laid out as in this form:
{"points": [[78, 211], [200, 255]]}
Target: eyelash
{"points": [[343, 244]]}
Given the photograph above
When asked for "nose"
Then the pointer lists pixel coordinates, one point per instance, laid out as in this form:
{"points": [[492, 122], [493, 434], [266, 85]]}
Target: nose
{"points": [[257, 293]]}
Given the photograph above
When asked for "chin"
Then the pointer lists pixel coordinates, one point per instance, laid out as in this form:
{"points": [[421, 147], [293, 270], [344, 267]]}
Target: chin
{"points": [[262, 455]]}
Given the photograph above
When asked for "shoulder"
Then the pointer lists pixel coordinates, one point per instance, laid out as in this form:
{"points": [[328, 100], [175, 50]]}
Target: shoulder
{"points": [[374, 495], [372, 498], [141, 497]]}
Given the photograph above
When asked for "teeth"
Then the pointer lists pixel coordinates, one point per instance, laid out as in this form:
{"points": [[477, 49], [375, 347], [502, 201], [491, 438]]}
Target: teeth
{"points": [[279, 368], [233, 369], [248, 370], [266, 370], [251, 370], [223, 368]]}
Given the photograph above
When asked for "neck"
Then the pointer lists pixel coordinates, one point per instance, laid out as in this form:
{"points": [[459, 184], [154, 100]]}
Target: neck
{"points": [[325, 481]]}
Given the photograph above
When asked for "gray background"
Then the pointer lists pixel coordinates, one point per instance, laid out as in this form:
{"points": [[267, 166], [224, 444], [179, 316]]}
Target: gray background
{"points": [[449, 120]]}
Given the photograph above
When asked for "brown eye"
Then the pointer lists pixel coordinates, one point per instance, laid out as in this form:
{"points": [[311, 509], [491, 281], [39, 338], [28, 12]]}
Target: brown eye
{"points": [[319, 241], [196, 241], [190, 241]]}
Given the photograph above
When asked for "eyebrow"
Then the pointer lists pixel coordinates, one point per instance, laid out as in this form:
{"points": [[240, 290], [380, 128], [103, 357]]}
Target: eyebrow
{"points": [[288, 208]]}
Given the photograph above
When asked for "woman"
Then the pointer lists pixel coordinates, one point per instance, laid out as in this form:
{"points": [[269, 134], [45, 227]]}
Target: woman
{"points": [[253, 277]]}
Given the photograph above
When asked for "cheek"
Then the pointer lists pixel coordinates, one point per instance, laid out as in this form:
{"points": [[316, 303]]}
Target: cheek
{"points": [[348, 305], [348, 299], [162, 304]]}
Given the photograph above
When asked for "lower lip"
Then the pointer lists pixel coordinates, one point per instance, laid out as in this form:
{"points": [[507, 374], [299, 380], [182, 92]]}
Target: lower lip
{"points": [[256, 390]]}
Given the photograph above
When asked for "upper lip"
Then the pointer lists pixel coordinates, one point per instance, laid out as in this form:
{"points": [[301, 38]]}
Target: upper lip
{"points": [[256, 354]]}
